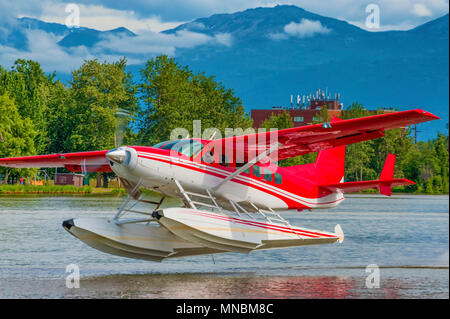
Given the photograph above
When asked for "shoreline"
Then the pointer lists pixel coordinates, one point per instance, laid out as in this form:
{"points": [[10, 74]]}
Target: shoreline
{"points": [[20, 190], [40, 194], [64, 190]]}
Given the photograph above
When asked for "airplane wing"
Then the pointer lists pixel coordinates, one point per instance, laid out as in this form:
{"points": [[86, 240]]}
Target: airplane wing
{"points": [[94, 161], [313, 138]]}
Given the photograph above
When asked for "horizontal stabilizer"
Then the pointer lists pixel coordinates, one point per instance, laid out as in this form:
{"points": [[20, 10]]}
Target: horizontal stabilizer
{"points": [[383, 186]]}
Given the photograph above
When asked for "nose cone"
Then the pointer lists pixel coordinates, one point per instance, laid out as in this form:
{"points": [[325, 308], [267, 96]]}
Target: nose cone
{"points": [[67, 224], [117, 156]]}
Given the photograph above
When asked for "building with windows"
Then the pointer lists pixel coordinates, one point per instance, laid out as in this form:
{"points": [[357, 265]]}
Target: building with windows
{"points": [[299, 117], [306, 110]]}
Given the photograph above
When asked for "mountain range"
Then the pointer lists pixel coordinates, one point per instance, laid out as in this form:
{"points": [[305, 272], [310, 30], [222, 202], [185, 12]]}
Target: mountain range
{"points": [[268, 54]]}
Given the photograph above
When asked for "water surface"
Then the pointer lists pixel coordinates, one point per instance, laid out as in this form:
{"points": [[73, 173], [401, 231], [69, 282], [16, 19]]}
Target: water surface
{"points": [[406, 236]]}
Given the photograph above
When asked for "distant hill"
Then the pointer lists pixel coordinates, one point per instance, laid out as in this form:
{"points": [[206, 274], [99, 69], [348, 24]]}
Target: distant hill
{"points": [[258, 23], [90, 37], [275, 52], [16, 37]]}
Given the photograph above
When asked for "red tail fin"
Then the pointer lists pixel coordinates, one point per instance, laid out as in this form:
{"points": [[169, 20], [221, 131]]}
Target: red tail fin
{"points": [[330, 163], [328, 167], [387, 174], [388, 168]]}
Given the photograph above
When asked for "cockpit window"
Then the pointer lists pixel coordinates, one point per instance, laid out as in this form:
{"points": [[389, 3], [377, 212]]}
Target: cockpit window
{"points": [[186, 147], [160, 144]]}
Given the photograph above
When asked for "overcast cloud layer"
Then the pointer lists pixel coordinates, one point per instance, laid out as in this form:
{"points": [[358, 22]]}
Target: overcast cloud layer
{"points": [[394, 14], [156, 15]]}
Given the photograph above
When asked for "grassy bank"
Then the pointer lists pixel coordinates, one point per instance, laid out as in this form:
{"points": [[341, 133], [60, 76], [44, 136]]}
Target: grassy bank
{"points": [[88, 190], [57, 189]]}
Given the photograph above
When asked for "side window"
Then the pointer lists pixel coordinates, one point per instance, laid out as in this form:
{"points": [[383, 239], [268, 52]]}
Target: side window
{"points": [[257, 171], [239, 164], [268, 175], [278, 178], [248, 170], [208, 157], [224, 160]]}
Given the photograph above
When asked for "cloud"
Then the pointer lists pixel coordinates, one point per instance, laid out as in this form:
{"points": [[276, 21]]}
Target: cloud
{"points": [[10, 9], [153, 43], [393, 13], [195, 26], [43, 47], [384, 27], [224, 38], [397, 15], [277, 36], [305, 29], [421, 10], [148, 18], [157, 15], [177, 10], [101, 18], [160, 43]]}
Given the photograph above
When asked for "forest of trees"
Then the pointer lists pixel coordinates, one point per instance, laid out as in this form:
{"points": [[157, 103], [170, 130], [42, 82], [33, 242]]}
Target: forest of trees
{"points": [[103, 106]]}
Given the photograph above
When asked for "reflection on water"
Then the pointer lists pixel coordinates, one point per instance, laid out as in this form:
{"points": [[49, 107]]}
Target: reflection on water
{"points": [[218, 286], [433, 283], [401, 234]]}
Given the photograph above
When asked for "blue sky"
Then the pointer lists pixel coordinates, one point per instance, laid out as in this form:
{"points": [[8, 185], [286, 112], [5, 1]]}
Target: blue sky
{"points": [[157, 15]]}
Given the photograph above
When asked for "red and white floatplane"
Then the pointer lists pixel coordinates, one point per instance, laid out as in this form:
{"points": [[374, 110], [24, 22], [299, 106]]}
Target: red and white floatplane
{"points": [[232, 192]]}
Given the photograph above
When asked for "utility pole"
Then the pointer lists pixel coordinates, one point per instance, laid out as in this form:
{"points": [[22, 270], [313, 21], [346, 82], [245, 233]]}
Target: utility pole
{"points": [[415, 133]]}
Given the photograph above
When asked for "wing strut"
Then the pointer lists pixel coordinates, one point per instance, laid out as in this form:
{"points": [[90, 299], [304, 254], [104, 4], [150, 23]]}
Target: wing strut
{"points": [[255, 160], [195, 200]]}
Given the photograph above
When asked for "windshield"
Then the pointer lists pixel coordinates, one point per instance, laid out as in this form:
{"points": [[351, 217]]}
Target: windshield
{"points": [[186, 147]]}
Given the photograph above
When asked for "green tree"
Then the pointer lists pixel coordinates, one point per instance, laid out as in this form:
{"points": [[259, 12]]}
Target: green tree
{"points": [[397, 141], [100, 91], [441, 148], [278, 121], [324, 116], [357, 161], [172, 96], [355, 110], [28, 85], [16, 134], [59, 126], [359, 155]]}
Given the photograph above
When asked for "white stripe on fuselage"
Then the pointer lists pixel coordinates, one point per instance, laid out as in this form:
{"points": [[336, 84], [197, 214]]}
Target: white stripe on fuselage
{"points": [[326, 201]]}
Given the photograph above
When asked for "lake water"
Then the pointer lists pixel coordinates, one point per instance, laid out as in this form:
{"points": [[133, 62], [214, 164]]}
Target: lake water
{"points": [[407, 237]]}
